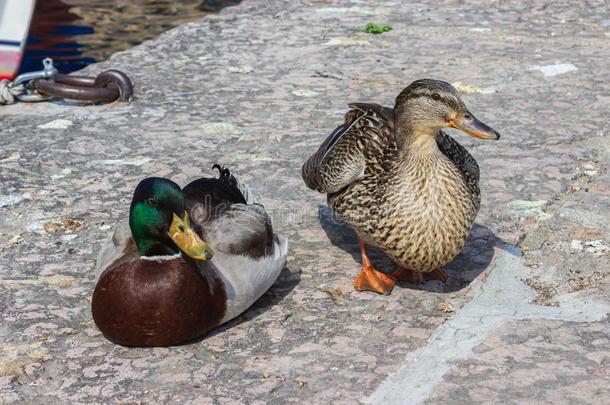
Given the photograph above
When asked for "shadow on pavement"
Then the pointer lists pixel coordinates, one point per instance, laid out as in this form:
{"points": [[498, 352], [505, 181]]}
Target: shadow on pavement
{"points": [[473, 260], [285, 283]]}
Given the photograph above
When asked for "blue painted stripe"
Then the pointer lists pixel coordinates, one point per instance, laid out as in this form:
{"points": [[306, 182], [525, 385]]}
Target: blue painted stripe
{"points": [[10, 43]]}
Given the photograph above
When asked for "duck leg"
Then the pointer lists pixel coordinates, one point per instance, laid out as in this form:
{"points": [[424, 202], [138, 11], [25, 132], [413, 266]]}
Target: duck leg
{"points": [[437, 274], [416, 277], [410, 276], [371, 279]]}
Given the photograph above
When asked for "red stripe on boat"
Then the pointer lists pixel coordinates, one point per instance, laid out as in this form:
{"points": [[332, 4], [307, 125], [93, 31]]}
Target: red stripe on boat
{"points": [[9, 63]]}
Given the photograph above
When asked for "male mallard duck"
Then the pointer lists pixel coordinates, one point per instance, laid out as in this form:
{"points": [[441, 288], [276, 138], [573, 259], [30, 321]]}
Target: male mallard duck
{"points": [[159, 285], [402, 183]]}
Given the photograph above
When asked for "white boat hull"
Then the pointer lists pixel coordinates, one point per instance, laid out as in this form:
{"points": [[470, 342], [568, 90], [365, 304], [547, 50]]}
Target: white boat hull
{"points": [[15, 18]]}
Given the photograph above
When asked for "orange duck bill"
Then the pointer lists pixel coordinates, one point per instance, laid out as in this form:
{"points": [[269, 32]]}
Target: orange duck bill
{"points": [[472, 126]]}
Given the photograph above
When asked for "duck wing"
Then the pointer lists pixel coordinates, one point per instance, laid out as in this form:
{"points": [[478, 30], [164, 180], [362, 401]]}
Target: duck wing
{"points": [[120, 248], [386, 112], [241, 230], [249, 257], [224, 212], [342, 158]]}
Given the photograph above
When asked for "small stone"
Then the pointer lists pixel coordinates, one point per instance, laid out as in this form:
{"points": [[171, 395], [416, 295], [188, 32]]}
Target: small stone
{"points": [[12, 158], [58, 281], [467, 89], [576, 244], [304, 93], [63, 224], [525, 205], [69, 237], [218, 128], [589, 170], [137, 161], [355, 40], [57, 124], [238, 69], [554, 70], [265, 375], [300, 384], [445, 307], [335, 294], [15, 240], [63, 173], [527, 208], [597, 247]]}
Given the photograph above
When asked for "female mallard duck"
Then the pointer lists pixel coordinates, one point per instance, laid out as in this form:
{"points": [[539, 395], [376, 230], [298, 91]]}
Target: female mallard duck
{"points": [[401, 183], [159, 284]]}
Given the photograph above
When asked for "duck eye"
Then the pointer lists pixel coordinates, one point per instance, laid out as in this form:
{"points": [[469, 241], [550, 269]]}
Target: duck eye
{"points": [[436, 96], [152, 202]]}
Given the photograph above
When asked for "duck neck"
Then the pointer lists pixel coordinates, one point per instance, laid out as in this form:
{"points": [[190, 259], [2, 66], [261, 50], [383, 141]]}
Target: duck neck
{"points": [[416, 141], [153, 247]]}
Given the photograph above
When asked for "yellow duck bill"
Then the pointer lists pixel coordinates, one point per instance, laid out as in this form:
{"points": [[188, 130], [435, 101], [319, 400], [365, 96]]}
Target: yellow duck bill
{"points": [[187, 240], [469, 124]]}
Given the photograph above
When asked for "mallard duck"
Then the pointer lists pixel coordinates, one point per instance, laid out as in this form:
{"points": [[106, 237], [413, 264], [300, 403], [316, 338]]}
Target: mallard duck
{"points": [[403, 184], [187, 261]]}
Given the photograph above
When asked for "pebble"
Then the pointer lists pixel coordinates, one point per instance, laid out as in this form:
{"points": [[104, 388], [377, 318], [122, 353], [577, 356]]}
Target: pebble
{"points": [[138, 161], [467, 89], [15, 240], [589, 169], [63, 173], [218, 128], [357, 40], [554, 70], [445, 307], [242, 69], [13, 157], [57, 124], [304, 93]]}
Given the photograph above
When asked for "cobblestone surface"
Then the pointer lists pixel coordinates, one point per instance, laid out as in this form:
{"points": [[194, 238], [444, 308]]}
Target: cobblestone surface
{"points": [[256, 88]]}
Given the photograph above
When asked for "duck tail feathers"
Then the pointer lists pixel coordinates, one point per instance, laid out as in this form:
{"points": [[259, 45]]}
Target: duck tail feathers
{"points": [[226, 175], [280, 246]]}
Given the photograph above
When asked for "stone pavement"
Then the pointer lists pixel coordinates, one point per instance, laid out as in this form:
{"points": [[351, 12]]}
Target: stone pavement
{"points": [[524, 315]]}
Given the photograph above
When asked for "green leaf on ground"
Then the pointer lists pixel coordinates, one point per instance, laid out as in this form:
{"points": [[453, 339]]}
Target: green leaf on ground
{"points": [[373, 28]]}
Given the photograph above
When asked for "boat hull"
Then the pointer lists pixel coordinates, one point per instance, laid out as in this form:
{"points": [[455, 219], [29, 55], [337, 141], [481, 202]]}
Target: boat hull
{"points": [[15, 18]]}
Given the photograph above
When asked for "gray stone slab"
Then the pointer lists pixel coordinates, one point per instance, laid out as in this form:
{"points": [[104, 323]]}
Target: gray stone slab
{"points": [[533, 362]]}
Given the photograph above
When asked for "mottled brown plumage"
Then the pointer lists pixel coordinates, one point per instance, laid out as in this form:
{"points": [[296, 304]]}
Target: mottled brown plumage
{"points": [[398, 180]]}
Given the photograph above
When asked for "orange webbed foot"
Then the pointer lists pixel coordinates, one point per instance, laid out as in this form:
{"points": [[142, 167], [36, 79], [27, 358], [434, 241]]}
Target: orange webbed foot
{"points": [[370, 279]]}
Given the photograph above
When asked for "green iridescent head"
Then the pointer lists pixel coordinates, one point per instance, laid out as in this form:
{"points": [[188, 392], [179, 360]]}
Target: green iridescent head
{"points": [[159, 222]]}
